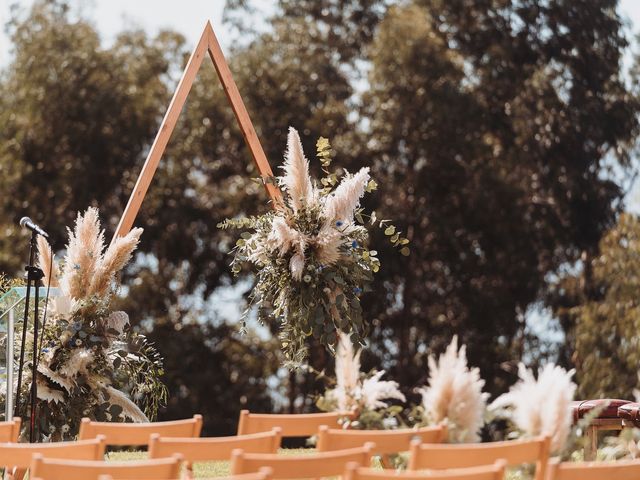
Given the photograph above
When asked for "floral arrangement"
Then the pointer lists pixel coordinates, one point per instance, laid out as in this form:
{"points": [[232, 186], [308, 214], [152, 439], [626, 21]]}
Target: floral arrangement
{"points": [[540, 406], [310, 253], [91, 364], [454, 395], [358, 394]]}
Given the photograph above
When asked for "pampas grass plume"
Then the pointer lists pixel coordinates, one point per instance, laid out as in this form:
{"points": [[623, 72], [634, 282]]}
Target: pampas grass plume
{"points": [[542, 406], [342, 203], [83, 254], [296, 180], [47, 263], [454, 394], [115, 258]]}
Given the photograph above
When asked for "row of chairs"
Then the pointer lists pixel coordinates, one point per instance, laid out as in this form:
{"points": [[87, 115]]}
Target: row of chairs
{"points": [[251, 451]]}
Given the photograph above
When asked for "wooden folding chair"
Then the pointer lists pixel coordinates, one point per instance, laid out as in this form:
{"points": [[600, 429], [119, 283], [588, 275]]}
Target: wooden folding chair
{"points": [[291, 425], [387, 441], [488, 472], [16, 457], [620, 470], [214, 448], [139, 433], [54, 469], [317, 465], [514, 452], [10, 431]]}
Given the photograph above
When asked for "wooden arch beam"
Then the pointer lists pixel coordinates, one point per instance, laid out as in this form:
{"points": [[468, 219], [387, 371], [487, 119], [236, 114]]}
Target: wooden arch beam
{"points": [[208, 43]]}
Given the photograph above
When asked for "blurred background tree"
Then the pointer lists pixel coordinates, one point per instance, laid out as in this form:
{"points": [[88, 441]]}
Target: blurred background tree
{"points": [[607, 317], [494, 129]]}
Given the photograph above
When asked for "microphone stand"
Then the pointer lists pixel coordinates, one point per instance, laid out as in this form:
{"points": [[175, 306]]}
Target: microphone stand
{"points": [[34, 275]]}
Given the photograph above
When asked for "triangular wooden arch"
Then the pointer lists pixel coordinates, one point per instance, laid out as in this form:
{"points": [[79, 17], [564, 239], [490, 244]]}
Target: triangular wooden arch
{"points": [[208, 43]]}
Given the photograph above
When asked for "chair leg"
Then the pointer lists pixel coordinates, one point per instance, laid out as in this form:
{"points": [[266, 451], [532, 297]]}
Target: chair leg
{"points": [[591, 448]]}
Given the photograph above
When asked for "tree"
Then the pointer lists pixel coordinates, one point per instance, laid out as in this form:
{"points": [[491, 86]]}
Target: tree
{"points": [[491, 127], [606, 322]]}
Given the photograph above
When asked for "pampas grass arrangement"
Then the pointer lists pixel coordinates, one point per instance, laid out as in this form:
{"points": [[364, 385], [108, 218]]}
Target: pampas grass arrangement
{"points": [[310, 254], [91, 364], [356, 392], [454, 394], [540, 406]]}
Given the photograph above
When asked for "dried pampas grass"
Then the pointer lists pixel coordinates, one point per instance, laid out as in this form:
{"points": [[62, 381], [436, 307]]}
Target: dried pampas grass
{"points": [[542, 406], [115, 258], [84, 251], [47, 262], [342, 203], [351, 392], [296, 180], [347, 365], [454, 394], [374, 390]]}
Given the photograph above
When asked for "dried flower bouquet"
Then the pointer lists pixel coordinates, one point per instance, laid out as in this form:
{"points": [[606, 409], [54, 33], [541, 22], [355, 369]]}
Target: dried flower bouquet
{"points": [[91, 364], [310, 253]]}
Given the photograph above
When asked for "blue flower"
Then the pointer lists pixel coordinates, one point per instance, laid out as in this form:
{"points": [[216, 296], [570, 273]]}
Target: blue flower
{"points": [[354, 244], [45, 350], [357, 290], [339, 223]]}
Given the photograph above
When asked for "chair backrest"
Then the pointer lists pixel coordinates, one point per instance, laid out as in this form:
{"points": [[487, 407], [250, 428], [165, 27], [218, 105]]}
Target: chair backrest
{"points": [[263, 474], [139, 433], [291, 425], [10, 431], [387, 441], [19, 454], [487, 472], [215, 448], [463, 455], [325, 464], [54, 469], [620, 470]]}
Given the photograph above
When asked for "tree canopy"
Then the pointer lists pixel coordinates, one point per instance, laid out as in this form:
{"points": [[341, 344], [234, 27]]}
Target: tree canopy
{"points": [[491, 127]]}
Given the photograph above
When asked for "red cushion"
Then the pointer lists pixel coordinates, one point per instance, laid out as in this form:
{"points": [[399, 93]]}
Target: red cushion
{"points": [[630, 411], [582, 407]]}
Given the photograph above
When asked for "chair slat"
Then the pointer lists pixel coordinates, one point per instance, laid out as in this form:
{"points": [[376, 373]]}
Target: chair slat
{"points": [[387, 441], [488, 472], [139, 433], [19, 454], [10, 431], [514, 452], [325, 464], [54, 469], [620, 470], [214, 448], [291, 425]]}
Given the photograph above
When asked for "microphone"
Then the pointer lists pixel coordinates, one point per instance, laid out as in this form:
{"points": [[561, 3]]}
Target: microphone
{"points": [[26, 222]]}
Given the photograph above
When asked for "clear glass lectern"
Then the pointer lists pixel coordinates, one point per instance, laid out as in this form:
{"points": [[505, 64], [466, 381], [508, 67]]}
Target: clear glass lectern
{"points": [[11, 318]]}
